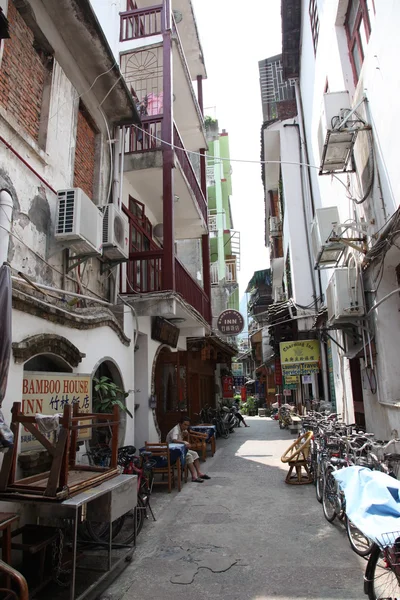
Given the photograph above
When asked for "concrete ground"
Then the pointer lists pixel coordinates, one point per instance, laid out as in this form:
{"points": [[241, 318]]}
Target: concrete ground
{"points": [[243, 535]]}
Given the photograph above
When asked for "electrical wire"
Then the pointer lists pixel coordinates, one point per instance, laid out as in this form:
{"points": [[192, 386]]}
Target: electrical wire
{"points": [[49, 118], [47, 263]]}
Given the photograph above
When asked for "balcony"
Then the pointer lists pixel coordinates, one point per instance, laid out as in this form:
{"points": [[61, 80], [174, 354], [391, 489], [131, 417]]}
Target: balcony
{"points": [[144, 276], [143, 169], [230, 272], [142, 57]]}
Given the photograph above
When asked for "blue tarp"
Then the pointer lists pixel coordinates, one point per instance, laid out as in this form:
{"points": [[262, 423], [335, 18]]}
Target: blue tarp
{"points": [[372, 501]]}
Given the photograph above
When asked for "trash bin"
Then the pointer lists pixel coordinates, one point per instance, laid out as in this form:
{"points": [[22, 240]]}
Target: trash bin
{"points": [[261, 412]]}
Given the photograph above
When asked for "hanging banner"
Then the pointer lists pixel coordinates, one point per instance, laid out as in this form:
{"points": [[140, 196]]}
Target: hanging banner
{"points": [[47, 394], [227, 387], [278, 372]]}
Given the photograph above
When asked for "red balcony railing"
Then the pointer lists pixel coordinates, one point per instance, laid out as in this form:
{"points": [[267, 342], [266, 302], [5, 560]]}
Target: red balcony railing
{"points": [[191, 291], [143, 22], [144, 274], [146, 138], [189, 173]]}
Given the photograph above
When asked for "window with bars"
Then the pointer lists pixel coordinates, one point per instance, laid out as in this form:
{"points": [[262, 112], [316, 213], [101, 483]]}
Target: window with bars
{"points": [[358, 30], [314, 21]]}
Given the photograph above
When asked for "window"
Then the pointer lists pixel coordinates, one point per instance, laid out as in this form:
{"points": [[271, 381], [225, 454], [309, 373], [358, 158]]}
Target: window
{"points": [[358, 29], [313, 12]]}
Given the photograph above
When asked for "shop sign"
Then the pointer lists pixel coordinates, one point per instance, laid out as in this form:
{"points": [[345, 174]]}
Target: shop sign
{"points": [[237, 369], [278, 372], [271, 390], [227, 386], [291, 379], [299, 352], [230, 322], [306, 379], [47, 394], [165, 332], [287, 392], [239, 381], [304, 369]]}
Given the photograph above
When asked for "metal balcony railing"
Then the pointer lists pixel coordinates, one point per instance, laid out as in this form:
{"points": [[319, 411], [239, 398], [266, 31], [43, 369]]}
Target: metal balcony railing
{"points": [[230, 272], [148, 138], [140, 23]]}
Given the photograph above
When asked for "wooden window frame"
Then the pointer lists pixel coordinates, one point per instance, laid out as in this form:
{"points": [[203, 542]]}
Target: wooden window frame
{"points": [[353, 36], [140, 224], [314, 22]]}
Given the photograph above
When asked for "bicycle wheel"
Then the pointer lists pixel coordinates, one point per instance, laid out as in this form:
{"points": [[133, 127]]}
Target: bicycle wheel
{"points": [[99, 532], [380, 581], [358, 541], [329, 496], [319, 483], [224, 431]]}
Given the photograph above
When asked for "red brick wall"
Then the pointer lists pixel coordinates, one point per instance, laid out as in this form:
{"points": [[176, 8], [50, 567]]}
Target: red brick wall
{"points": [[22, 75], [85, 154]]}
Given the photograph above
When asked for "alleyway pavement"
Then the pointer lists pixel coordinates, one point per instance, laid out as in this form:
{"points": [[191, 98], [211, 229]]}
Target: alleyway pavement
{"points": [[243, 535]]}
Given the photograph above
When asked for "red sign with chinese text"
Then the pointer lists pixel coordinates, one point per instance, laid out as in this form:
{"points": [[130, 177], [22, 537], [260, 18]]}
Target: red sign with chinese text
{"points": [[278, 372], [227, 386]]}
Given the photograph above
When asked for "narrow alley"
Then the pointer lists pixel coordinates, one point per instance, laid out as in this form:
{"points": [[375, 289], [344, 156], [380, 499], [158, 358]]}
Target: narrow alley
{"points": [[243, 535]]}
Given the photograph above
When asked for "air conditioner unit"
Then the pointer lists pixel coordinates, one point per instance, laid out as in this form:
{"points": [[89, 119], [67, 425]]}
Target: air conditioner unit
{"points": [[335, 144], [326, 253], [344, 296], [115, 233], [78, 222], [274, 226]]}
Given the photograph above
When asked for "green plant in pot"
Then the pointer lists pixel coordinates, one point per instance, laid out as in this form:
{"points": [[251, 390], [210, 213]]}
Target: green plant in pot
{"points": [[251, 406], [107, 394]]}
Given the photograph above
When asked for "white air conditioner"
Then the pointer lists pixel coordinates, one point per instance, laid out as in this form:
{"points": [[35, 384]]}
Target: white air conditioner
{"points": [[78, 222], [344, 296], [335, 145], [115, 233], [274, 226], [326, 253]]}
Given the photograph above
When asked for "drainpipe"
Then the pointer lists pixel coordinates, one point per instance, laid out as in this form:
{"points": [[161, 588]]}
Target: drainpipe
{"points": [[6, 208], [324, 350]]}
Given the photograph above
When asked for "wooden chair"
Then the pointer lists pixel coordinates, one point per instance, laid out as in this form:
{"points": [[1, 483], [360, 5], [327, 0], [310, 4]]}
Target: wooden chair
{"points": [[296, 456], [197, 441], [160, 452]]}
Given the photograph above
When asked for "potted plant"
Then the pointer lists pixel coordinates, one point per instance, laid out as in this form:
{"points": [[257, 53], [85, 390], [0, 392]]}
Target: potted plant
{"points": [[251, 406], [107, 394]]}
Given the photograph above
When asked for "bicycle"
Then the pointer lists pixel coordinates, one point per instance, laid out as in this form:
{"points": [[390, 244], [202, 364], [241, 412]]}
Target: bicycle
{"points": [[123, 528], [382, 574]]}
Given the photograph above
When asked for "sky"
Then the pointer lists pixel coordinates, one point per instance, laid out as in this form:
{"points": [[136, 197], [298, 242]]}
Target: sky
{"points": [[234, 40]]}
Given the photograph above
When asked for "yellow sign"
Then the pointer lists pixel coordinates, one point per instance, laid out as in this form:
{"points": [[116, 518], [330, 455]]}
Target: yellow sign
{"points": [[271, 390], [48, 393], [299, 352], [291, 379]]}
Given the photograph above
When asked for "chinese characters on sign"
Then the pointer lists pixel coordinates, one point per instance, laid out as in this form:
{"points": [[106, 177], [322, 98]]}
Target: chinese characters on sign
{"points": [[227, 386], [237, 369], [230, 322], [300, 357], [48, 393]]}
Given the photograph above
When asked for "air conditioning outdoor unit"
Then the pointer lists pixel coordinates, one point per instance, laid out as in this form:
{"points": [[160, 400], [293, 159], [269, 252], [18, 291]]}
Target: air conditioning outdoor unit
{"points": [[274, 226], [344, 296], [335, 144], [326, 253], [78, 222], [115, 233]]}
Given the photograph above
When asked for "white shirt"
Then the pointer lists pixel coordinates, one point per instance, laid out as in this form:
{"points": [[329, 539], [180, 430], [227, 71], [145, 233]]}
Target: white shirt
{"points": [[174, 434]]}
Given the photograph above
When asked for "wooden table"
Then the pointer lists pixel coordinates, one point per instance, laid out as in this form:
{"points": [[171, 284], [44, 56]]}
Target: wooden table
{"points": [[6, 520]]}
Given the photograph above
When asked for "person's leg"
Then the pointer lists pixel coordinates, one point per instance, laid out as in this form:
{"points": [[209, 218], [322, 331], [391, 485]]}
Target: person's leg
{"points": [[191, 459], [240, 417]]}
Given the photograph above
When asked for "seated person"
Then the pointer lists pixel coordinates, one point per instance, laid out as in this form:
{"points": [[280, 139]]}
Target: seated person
{"points": [[176, 436]]}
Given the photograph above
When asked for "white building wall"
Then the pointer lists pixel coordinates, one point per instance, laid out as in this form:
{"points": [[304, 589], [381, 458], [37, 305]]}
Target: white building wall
{"points": [[332, 66]]}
